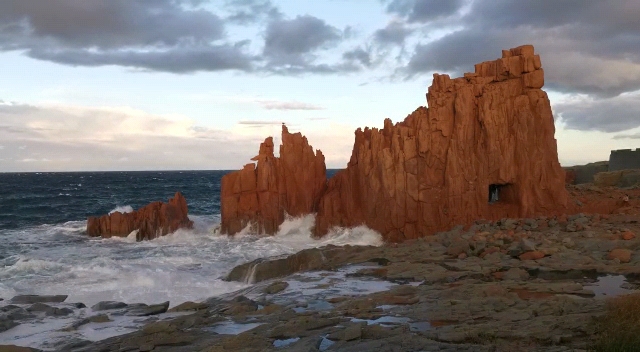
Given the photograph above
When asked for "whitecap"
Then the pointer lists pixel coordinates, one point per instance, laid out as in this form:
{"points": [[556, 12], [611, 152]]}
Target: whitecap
{"points": [[122, 209]]}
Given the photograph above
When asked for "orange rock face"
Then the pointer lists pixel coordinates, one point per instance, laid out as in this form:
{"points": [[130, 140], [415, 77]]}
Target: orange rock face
{"points": [[154, 220], [533, 255], [484, 149], [263, 195]]}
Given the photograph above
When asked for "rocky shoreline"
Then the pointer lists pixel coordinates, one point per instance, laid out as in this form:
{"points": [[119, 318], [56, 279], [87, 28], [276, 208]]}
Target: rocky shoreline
{"points": [[528, 284]]}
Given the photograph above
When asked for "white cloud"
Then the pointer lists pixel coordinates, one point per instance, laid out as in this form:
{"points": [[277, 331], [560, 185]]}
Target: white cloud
{"points": [[582, 147], [287, 105], [63, 137], [56, 137]]}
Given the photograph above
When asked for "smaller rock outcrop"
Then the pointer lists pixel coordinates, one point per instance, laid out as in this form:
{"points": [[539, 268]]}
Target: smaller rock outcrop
{"points": [[262, 195], [154, 220]]}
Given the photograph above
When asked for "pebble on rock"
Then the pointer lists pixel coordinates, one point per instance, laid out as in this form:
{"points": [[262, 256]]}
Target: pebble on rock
{"points": [[533, 255], [628, 236], [623, 255]]}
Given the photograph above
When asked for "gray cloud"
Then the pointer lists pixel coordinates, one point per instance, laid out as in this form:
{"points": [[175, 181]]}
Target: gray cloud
{"points": [[176, 60], [393, 33], [424, 10], [359, 55], [178, 36], [627, 136], [250, 11], [609, 115], [106, 24], [292, 47], [163, 35], [288, 41], [587, 46]]}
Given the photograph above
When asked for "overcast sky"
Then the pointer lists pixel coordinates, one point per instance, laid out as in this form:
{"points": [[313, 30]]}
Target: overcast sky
{"points": [[198, 84]]}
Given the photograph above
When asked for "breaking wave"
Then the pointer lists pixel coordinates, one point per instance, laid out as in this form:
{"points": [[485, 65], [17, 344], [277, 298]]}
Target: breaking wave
{"points": [[122, 209], [184, 266]]}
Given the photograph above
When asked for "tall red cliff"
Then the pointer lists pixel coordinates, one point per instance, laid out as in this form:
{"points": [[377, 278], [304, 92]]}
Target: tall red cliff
{"points": [[262, 195], [484, 149]]}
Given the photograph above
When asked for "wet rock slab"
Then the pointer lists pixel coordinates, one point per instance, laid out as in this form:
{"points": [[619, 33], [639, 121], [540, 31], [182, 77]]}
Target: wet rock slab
{"points": [[30, 299], [108, 305]]}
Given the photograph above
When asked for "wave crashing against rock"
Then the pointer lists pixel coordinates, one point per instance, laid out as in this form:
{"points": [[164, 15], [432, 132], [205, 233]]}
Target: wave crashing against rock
{"points": [[484, 149], [153, 220]]}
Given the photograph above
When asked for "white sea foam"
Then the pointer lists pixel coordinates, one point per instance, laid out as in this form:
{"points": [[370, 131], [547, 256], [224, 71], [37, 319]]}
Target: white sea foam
{"points": [[185, 265], [122, 209], [28, 266]]}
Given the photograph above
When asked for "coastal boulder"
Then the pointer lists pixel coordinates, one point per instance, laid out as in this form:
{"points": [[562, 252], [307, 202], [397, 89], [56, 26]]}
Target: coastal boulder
{"points": [[153, 220], [262, 195], [265, 269]]}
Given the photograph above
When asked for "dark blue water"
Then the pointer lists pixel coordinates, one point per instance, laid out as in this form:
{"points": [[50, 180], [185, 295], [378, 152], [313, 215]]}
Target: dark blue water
{"points": [[31, 199]]}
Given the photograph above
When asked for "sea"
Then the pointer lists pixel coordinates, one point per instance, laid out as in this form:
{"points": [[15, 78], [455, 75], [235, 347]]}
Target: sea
{"points": [[44, 249]]}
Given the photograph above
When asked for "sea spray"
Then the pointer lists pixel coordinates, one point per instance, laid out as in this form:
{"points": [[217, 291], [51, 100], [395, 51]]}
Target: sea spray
{"points": [[186, 265], [122, 209]]}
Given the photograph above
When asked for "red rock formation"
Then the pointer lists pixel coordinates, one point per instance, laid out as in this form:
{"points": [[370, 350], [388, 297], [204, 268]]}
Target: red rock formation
{"points": [[492, 129], [154, 220], [290, 184]]}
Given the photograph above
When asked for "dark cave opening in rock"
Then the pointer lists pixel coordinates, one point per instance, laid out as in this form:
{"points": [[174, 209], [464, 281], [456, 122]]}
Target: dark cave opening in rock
{"points": [[494, 193]]}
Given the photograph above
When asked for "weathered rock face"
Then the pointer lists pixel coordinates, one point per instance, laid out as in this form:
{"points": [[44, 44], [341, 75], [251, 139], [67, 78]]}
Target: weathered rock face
{"points": [[484, 148], [622, 178], [262, 195], [154, 220]]}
